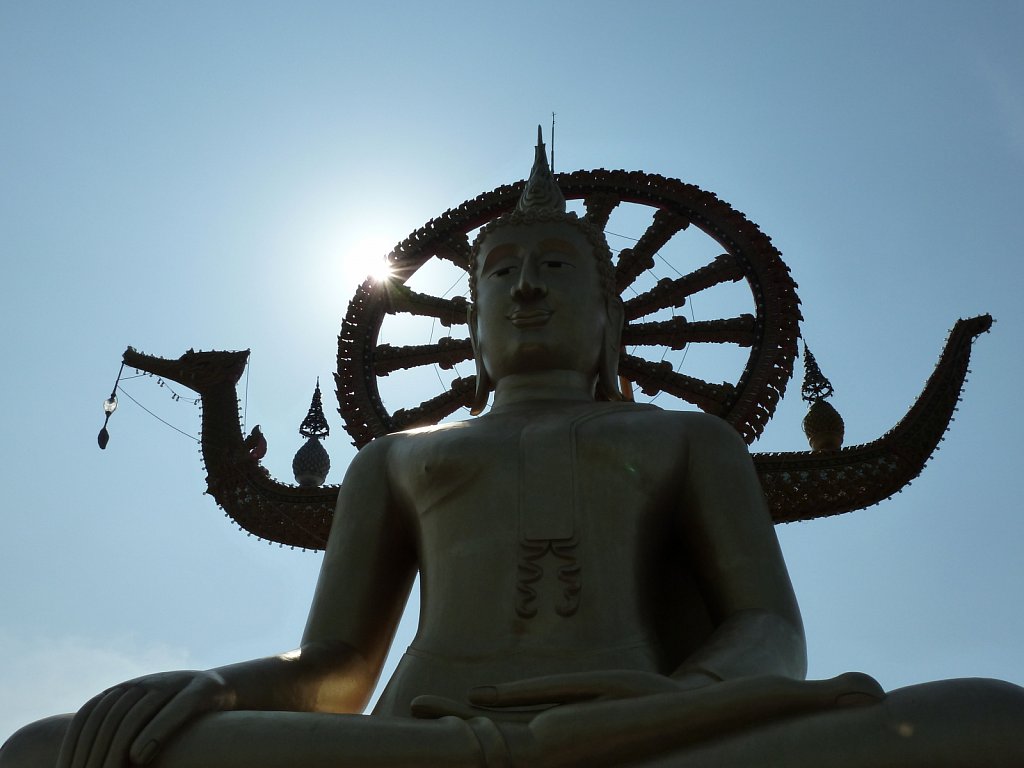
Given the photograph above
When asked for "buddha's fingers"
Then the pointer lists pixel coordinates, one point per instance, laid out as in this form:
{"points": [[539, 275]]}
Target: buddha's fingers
{"points": [[145, 705], [201, 694], [78, 741], [573, 687], [99, 754], [67, 747]]}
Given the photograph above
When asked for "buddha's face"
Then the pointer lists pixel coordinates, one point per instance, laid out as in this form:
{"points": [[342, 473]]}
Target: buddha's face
{"points": [[539, 301]]}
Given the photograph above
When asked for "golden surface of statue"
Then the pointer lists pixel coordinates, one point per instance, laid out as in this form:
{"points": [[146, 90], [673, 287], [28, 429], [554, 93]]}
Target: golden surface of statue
{"points": [[601, 585]]}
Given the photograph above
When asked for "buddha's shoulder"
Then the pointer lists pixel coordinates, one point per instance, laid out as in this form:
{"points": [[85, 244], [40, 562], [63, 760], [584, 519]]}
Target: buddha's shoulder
{"points": [[426, 438], [612, 417], [648, 416]]}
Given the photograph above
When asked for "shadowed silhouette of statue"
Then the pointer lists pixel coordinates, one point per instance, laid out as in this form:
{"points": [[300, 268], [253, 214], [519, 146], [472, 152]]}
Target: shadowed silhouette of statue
{"points": [[601, 585]]}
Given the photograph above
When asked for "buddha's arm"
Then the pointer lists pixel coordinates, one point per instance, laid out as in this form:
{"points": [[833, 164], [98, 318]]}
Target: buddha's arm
{"points": [[364, 583], [731, 539]]}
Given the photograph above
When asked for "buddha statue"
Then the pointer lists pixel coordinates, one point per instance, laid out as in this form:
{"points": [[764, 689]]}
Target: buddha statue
{"points": [[601, 585]]}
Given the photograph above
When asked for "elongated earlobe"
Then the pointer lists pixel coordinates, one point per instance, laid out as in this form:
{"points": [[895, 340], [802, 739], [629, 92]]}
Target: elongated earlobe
{"points": [[483, 382], [608, 365]]}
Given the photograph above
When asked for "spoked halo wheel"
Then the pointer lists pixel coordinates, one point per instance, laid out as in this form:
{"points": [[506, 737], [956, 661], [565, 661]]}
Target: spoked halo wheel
{"points": [[770, 330]]}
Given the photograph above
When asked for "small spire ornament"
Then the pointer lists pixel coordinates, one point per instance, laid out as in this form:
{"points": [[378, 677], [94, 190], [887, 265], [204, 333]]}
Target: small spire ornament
{"points": [[311, 463], [823, 425]]}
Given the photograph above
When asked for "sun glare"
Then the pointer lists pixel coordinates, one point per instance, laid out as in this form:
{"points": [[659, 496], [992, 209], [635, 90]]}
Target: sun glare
{"points": [[381, 271], [368, 259]]}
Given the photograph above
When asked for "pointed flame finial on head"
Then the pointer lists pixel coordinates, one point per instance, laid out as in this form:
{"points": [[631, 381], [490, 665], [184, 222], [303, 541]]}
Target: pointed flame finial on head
{"points": [[541, 192]]}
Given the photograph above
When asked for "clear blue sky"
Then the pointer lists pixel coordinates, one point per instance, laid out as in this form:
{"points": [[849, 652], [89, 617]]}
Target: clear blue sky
{"points": [[218, 175]]}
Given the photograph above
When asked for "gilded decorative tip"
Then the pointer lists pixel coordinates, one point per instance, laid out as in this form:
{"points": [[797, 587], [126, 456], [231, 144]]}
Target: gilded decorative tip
{"points": [[824, 427], [541, 192]]}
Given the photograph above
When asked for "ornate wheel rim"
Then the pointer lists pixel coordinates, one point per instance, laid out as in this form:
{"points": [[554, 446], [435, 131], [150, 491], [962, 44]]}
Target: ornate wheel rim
{"points": [[770, 331]]}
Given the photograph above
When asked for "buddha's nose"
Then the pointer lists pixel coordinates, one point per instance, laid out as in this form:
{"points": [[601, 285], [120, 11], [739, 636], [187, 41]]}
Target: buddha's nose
{"points": [[528, 285]]}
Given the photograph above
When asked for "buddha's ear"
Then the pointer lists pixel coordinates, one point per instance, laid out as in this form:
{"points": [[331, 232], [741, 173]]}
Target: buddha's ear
{"points": [[608, 365], [483, 381]]}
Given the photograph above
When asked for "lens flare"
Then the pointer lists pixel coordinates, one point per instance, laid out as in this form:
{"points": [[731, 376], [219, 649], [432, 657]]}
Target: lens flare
{"points": [[381, 271]]}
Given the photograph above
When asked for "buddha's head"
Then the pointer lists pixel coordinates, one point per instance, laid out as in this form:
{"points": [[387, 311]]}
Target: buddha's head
{"points": [[543, 293]]}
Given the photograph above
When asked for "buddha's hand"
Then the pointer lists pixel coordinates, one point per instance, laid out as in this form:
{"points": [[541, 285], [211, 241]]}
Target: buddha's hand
{"points": [[573, 687], [129, 723], [524, 699]]}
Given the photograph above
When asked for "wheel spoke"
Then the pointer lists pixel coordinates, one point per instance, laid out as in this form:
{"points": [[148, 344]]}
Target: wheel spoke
{"points": [[401, 298], [659, 377], [678, 332], [436, 408], [445, 353], [636, 260], [599, 208], [673, 293], [456, 250]]}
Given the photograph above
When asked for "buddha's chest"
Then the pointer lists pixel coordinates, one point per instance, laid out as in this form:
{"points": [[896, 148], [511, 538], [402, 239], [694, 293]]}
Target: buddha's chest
{"points": [[556, 514], [548, 477]]}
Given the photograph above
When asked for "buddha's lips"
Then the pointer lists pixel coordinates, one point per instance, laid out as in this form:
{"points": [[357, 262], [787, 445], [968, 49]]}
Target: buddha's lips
{"points": [[529, 318]]}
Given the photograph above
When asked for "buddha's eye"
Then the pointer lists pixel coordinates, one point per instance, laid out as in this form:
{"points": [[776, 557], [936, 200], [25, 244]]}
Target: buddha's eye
{"points": [[503, 271], [557, 264]]}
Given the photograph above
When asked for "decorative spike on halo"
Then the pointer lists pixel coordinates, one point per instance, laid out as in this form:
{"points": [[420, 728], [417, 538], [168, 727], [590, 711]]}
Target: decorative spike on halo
{"points": [[541, 192]]}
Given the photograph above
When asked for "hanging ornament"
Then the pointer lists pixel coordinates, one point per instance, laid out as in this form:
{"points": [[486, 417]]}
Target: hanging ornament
{"points": [[311, 463], [823, 425], [109, 406]]}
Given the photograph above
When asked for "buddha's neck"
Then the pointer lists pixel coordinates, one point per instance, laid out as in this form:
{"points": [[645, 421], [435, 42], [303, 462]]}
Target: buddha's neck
{"points": [[543, 385]]}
